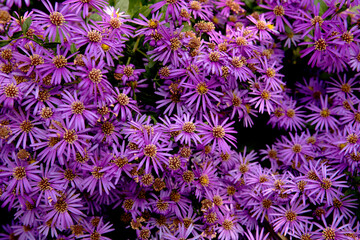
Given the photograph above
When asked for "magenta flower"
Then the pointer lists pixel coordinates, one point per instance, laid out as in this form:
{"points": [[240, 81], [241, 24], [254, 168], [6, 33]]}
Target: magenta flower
{"points": [[20, 176], [265, 98], [84, 6], [295, 150], [335, 230], [24, 127], [71, 141], [65, 210], [153, 153], [55, 22], [290, 219], [77, 109], [187, 127], [201, 93], [218, 134], [98, 177], [328, 186], [229, 228], [94, 83], [58, 66], [323, 117], [125, 106]]}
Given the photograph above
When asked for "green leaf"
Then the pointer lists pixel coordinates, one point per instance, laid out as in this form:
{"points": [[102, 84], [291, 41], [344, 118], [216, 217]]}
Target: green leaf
{"points": [[122, 5], [134, 6], [249, 3], [145, 10], [4, 43], [323, 6], [73, 48], [187, 27], [50, 45], [95, 17], [17, 34], [25, 26], [37, 40]]}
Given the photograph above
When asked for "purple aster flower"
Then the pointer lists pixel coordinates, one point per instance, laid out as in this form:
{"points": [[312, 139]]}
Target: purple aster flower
{"points": [[202, 92], [312, 20], [228, 227], [295, 149], [172, 94], [341, 207], [23, 127], [258, 235], [31, 61], [152, 153], [230, 6], [323, 45], [351, 116], [290, 219], [65, 210], [10, 93], [149, 26], [93, 81], [354, 62], [235, 100], [262, 28], [171, 47], [271, 74], [78, 108], [23, 174], [306, 232], [279, 12], [180, 203], [125, 106], [244, 41], [290, 39], [207, 178], [217, 133], [187, 127], [288, 116], [333, 231], [115, 20], [322, 117], [57, 22], [200, 9], [173, 8], [239, 68], [313, 90], [327, 186], [23, 232], [71, 141], [99, 179], [108, 131], [58, 66], [47, 186], [77, 6], [128, 73], [93, 36], [261, 207], [350, 140], [342, 87], [96, 231], [213, 61], [41, 97], [181, 232], [264, 98], [121, 162]]}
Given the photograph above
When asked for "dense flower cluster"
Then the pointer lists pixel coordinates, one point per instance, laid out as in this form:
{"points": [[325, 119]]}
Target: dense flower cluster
{"points": [[139, 113]]}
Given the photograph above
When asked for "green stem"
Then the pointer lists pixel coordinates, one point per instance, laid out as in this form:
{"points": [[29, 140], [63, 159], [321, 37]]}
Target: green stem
{"points": [[141, 52]]}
